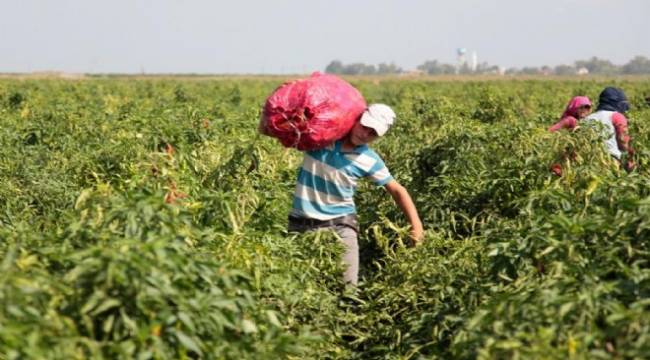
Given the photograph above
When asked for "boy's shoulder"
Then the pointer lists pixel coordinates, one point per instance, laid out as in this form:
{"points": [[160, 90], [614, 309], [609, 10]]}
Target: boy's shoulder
{"points": [[366, 150], [318, 152], [360, 153], [366, 158]]}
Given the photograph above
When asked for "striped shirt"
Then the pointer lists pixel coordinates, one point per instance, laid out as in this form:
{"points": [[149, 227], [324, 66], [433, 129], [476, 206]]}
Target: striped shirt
{"points": [[328, 179]]}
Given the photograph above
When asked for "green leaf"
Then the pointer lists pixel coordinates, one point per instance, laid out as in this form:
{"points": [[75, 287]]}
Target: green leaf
{"points": [[108, 324], [273, 319], [187, 321], [248, 326], [106, 305], [188, 342]]}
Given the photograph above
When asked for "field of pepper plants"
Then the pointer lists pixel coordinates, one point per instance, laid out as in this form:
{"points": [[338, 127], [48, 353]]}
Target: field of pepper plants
{"points": [[146, 219]]}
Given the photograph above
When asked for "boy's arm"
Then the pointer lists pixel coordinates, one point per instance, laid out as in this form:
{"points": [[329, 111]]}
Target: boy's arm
{"points": [[404, 201]]}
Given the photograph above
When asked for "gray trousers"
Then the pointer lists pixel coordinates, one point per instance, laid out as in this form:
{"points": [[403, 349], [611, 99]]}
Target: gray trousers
{"points": [[348, 237]]}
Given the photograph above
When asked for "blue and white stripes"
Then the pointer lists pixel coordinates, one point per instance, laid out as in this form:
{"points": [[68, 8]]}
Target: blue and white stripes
{"points": [[328, 179]]}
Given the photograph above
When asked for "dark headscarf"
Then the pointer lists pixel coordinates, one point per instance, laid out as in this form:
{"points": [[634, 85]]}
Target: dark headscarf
{"points": [[613, 99]]}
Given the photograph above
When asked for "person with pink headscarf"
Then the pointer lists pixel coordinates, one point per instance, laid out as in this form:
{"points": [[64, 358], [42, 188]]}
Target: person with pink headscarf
{"points": [[578, 108]]}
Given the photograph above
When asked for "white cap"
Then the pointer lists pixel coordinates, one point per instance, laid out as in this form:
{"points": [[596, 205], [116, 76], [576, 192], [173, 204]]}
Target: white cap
{"points": [[379, 117]]}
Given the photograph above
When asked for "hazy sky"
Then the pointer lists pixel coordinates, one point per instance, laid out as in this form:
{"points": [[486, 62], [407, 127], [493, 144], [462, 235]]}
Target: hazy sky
{"points": [[292, 36]]}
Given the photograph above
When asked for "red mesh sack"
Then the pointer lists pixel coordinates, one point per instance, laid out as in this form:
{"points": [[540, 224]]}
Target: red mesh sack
{"points": [[309, 114]]}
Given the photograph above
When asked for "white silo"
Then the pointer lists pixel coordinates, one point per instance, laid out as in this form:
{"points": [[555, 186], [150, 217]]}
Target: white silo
{"points": [[474, 61], [460, 52]]}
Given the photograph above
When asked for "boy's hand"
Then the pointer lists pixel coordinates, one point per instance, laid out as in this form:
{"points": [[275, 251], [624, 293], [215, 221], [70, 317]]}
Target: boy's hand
{"points": [[404, 201], [417, 236]]}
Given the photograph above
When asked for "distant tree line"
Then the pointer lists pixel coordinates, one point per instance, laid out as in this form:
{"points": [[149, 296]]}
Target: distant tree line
{"points": [[337, 67], [433, 67], [637, 66]]}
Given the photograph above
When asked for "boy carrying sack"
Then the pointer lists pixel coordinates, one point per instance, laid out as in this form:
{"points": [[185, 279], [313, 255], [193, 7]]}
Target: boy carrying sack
{"points": [[324, 195]]}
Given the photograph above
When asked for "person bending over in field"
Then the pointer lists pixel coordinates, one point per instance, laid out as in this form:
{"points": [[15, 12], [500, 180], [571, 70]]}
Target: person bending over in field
{"points": [[577, 109], [612, 105], [328, 179]]}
